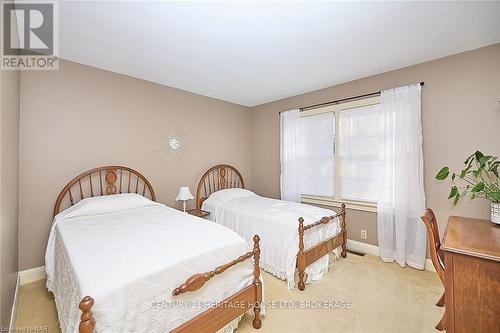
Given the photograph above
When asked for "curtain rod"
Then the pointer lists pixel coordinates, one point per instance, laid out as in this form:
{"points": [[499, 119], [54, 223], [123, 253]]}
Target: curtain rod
{"points": [[314, 106]]}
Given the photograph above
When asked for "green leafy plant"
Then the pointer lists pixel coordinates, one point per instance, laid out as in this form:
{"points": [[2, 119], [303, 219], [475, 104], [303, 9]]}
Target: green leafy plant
{"points": [[478, 179]]}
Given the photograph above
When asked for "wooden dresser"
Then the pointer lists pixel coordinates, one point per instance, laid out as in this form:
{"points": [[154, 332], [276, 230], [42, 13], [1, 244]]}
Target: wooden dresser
{"points": [[472, 275]]}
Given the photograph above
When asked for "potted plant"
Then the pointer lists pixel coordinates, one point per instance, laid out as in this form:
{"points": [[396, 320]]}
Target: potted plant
{"points": [[478, 179]]}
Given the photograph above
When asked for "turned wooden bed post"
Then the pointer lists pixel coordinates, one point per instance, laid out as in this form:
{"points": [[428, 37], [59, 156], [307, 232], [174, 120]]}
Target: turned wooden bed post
{"points": [[305, 258], [344, 231], [87, 321], [301, 257], [257, 323]]}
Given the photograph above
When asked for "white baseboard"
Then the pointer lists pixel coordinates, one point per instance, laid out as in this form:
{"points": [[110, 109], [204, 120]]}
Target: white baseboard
{"points": [[31, 275], [362, 247], [14, 305], [373, 250], [24, 277]]}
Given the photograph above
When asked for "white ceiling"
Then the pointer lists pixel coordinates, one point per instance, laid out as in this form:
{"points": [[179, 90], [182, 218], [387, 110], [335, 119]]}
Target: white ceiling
{"points": [[255, 52]]}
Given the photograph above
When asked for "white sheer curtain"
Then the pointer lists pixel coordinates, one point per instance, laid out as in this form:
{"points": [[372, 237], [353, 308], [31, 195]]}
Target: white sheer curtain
{"points": [[401, 234], [289, 150]]}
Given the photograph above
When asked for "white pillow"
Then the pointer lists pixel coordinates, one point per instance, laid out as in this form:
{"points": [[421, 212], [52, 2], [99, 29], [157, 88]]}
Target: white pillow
{"points": [[105, 204], [222, 196]]}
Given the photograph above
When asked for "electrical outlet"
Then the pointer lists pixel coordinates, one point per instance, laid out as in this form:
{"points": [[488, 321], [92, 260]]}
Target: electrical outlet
{"points": [[363, 234]]}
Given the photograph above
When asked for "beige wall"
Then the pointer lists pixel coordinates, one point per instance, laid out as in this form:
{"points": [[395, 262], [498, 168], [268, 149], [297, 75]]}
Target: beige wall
{"points": [[80, 117], [9, 190], [460, 113]]}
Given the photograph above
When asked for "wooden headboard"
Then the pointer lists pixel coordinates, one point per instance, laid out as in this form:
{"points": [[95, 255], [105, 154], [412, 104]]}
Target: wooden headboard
{"points": [[217, 178], [101, 181]]}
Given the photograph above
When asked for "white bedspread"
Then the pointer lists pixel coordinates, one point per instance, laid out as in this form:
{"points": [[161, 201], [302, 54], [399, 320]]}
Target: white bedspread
{"points": [[129, 255], [276, 222]]}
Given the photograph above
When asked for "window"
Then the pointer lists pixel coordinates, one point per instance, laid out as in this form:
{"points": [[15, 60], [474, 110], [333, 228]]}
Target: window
{"points": [[316, 151], [360, 153], [340, 149]]}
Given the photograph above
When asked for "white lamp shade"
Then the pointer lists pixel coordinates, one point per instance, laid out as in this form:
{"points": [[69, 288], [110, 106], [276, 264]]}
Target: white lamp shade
{"points": [[184, 194]]}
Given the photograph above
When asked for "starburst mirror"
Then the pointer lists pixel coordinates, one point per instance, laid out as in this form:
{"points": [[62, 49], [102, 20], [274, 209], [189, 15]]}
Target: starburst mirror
{"points": [[171, 145]]}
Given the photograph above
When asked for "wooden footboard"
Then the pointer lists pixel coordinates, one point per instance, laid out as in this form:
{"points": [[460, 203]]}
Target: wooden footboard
{"points": [[214, 318], [307, 257]]}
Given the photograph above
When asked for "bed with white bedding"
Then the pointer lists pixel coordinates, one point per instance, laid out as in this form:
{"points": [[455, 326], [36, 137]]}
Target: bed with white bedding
{"points": [[129, 253], [293, 235]]}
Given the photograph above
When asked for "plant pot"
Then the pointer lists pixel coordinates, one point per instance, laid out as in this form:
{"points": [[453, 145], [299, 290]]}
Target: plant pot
{"points": [[495, 212]]}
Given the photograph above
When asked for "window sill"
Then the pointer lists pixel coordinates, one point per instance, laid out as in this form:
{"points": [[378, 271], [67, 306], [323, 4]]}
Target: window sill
{"points": [[331, 202]]}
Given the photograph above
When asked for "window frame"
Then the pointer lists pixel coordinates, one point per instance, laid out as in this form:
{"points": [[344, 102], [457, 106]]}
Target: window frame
{"points": [[336, 200]]}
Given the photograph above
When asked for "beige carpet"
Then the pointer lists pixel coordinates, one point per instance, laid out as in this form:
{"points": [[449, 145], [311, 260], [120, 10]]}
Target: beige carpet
{"points": [[380, 298]]}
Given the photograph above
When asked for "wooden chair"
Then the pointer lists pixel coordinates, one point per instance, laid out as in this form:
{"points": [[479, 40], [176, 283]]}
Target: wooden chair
{"points": [[437, 256]]}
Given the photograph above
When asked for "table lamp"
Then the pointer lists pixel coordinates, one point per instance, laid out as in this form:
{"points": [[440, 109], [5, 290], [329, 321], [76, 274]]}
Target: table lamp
{"points": [[184, 195]]}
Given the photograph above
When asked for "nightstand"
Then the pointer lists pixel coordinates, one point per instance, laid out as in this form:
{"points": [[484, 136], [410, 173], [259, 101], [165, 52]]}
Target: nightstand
{"points": [[198, 212]]}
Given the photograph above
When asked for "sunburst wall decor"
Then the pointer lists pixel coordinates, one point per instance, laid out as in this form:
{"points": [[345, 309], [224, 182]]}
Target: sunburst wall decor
{"points": [[171, 145]]}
